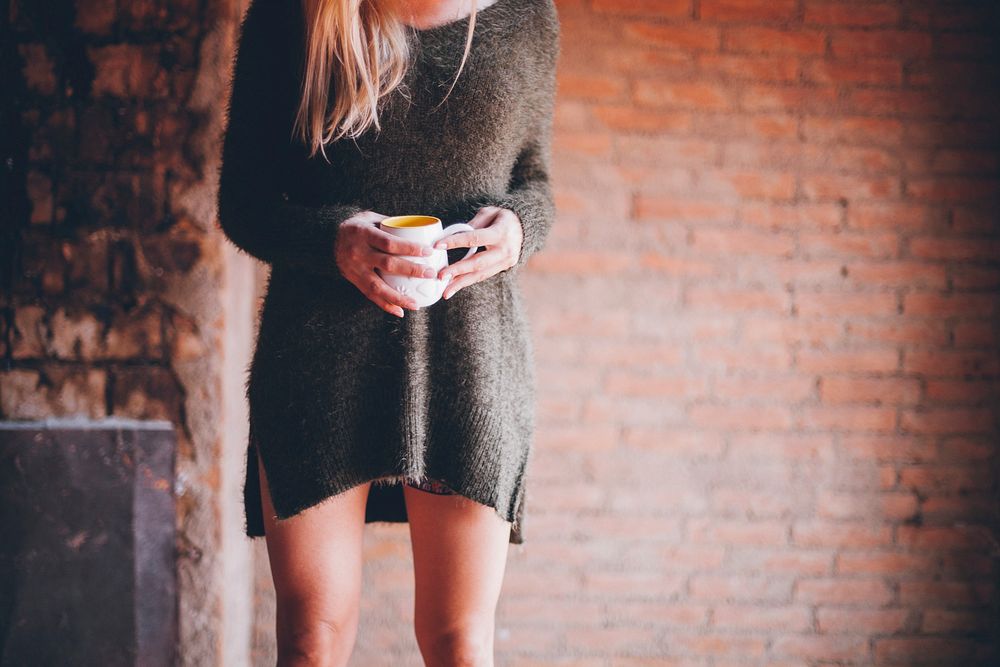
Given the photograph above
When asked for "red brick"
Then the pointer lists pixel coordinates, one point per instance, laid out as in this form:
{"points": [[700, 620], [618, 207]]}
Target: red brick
{"points": [[653, 8], [853, 129], [886, 562], [899, 331], [738, 299], [963, 391], [790, 388], [883, 43], [591, 86], [965, 593], [757, 68], [842, 590], [579, 261], [827, 13], [954, 189], [735, 357], [840, 187], [719, 645], [655, 385], [888, 448], [610, 639], [742, 503], [965, 277], [661, 613], [800, 216], [666, 151], [925, 651], [741, 418], [684, 36], [846, 244], [628, 118], [728, 242], [722, 531], [948, 621], [700, 95], [754, 617], [934, 304], [672, 208], [765, 97], [577, 437], [860, 621], [849, 361], [784, 561], [898, 273], [840, 534], [946, 479], [941, 537], [948, 420], [813, 648], [888, 216], [782, 447], [849, 419], [846, 304], [871, 71], [973, 221], [775, 40], [748, 10], [668, 440], [955, 249], [631, 582], [881, 391]]}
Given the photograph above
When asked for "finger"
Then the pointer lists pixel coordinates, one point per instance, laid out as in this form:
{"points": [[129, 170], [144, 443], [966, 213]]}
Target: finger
{"points": [[396, 245], [382, 290], [484, 216], [364, 286], [464, 280], [390, 308], [481, 261], [485, 236], [404, 267]]}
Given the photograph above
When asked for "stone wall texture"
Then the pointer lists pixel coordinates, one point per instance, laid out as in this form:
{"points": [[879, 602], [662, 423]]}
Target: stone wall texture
{"points": [[766, 325]]}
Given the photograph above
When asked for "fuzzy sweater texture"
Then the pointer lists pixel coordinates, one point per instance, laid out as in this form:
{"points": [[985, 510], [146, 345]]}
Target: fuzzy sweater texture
{"points": [[341, 392]]}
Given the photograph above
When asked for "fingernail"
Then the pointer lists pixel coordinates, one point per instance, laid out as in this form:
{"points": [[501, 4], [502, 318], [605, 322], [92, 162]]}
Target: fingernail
{"points": [[429, 272]]}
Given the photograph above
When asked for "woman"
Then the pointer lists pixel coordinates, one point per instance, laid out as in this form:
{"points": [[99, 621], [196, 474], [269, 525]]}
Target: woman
{"points": [[344, 112]]}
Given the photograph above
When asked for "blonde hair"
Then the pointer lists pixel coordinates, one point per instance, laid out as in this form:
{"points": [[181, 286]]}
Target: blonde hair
{"points": [[362, 50]]}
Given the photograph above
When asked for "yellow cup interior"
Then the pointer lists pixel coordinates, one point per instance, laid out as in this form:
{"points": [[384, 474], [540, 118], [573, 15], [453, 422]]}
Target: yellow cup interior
{"points": [[410, 221]]}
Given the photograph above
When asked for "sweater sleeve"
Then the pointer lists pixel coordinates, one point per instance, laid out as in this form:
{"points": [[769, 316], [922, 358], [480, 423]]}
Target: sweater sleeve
{"points": [[529, 193], [252, 210]]}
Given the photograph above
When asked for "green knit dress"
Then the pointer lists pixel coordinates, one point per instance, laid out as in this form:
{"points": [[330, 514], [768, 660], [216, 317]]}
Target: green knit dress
{"points": [[341, 392]]}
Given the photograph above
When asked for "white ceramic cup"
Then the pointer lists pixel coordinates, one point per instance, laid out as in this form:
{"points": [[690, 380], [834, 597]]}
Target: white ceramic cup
{"points": [[427, 230]]}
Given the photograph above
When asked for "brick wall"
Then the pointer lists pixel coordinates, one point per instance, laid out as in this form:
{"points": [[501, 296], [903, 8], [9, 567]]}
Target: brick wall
{"points": [[767, 339]]}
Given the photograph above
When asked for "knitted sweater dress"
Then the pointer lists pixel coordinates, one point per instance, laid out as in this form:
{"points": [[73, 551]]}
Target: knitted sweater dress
{"points": [[340, 392]]}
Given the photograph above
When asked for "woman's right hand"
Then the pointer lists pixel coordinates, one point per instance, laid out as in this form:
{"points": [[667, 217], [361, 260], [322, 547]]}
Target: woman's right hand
{"points": [[362, 247]]}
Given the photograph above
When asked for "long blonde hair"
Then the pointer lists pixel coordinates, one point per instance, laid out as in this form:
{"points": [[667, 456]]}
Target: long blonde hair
{"points": [[363, 50]]}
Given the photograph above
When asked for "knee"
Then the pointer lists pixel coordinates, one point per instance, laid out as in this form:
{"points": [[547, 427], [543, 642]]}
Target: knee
{"points": [[460, 646], [315, 642]]}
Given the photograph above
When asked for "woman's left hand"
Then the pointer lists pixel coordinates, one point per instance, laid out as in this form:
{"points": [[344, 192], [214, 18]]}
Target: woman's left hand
{"points": [[499, 229]]}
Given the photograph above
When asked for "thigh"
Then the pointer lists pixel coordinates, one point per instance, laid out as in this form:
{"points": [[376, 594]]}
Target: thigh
{"points": [[459, 557], [316, 559]]}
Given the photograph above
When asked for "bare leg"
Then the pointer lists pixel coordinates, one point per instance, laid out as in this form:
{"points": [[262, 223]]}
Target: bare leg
{"points": [[316, 564], [459, 558]]}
